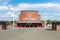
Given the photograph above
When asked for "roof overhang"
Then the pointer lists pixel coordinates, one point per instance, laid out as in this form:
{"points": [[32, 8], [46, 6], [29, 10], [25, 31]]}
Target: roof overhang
{"points": [[30, 22]]}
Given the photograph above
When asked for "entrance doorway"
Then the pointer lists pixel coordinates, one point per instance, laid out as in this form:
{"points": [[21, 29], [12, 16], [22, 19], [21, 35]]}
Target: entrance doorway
{"points": [[29, 24]]}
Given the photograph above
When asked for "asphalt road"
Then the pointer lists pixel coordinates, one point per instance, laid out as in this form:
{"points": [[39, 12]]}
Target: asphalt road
{"points": [[29, 34]]}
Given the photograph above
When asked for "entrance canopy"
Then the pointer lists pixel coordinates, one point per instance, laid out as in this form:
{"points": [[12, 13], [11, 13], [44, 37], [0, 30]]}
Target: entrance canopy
{"points": [[30, 22]]}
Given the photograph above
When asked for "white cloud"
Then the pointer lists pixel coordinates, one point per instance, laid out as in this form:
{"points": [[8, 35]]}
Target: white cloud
{"points": [[24, 6], [53, 7], [11, 7], [9, 14], [2, 1], [58, 14], [3, 7], [7, 7]]}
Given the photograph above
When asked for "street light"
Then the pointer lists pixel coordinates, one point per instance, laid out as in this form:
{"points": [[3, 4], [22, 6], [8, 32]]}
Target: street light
{"points": [[45, 18], [13, 15], [13, 21], [45, 23]]}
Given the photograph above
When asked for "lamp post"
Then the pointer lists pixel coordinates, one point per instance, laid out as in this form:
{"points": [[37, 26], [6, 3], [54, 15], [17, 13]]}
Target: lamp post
{"points": [[13, 21], [45, 18], [45, 23], [13, 15]]}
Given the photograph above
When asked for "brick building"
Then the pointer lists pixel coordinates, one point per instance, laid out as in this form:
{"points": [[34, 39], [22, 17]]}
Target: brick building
{"points": [[29, 18]]}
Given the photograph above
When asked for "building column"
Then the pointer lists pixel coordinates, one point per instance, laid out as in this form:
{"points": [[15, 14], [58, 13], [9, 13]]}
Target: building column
{"points": [[25, 25], [33, 25], [29, 25], [20, 25], [38, 25]]}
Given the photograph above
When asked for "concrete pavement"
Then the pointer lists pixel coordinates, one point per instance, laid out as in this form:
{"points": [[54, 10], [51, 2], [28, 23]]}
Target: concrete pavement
{"points": [[29, 34]]}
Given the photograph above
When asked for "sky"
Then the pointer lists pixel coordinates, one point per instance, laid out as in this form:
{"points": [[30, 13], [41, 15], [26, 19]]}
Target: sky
{"points": [[48, 9]]}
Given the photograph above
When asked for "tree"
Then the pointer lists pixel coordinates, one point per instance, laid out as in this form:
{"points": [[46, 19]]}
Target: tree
{"points": [[8, 22], [48, 21]]}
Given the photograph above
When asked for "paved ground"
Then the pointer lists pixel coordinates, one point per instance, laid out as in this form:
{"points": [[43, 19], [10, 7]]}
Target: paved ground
{"points": [[29, 34]]}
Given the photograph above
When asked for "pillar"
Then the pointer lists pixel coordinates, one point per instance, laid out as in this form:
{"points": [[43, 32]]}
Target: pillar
{"points": [[20, 25], [24, 25], [33, 25]]}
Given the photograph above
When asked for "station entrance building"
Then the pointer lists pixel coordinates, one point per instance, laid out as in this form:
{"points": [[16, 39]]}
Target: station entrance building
{"points": [[29, 18]]}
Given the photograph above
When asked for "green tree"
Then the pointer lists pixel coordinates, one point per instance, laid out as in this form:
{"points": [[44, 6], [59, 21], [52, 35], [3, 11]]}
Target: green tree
{"points": [[48, 21], [8, 22]]}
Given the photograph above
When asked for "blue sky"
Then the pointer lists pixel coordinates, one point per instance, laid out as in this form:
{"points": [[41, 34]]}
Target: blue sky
{"points": [[48, 9]]}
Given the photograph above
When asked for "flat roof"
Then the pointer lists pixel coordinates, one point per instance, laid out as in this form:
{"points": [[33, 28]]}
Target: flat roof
{"points": [[55, 21], [30, 22], [29, 11]]}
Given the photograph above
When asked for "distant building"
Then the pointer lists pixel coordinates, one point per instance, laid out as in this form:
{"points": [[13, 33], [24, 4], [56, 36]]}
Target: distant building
{"points": [[3, 25], [29, 18], [56, 25]]}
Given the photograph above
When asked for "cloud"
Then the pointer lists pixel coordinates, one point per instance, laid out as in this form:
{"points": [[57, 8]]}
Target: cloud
{"points": [[24, 6], [11, 7], [3, 7], [50, 8], [8, 14], [58, 14], [2, 1]]}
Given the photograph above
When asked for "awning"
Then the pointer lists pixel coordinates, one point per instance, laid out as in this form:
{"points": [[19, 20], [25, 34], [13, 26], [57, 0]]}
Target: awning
{"points": [[30, 22]]}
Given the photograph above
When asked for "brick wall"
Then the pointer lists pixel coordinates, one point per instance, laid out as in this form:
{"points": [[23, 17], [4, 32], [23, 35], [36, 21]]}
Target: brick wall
{"points": [[29, 16]]}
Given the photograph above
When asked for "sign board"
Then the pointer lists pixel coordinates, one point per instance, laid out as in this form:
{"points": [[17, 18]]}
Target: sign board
{"points": [[28, 18]]}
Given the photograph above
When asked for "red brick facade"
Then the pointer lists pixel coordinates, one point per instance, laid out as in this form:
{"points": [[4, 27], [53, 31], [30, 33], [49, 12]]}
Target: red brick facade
{"points": [[29, 16]]}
